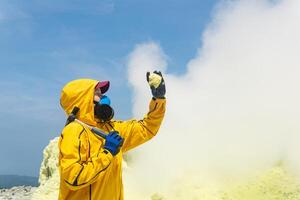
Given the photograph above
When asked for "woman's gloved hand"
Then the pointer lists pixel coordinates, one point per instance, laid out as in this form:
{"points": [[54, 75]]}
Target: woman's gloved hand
{"points": [[113, 142], [157, 84]]}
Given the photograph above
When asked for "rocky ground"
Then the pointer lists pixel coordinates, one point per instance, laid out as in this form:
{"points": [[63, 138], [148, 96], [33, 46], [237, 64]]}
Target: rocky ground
{"points": [[17, 193]]}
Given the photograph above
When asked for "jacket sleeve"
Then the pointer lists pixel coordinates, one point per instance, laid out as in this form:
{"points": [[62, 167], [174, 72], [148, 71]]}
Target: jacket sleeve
{"points": [[77, 169], [138, 132]]}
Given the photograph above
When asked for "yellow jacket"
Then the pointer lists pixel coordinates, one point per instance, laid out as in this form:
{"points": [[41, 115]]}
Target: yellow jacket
{"points": [[86, 171]]}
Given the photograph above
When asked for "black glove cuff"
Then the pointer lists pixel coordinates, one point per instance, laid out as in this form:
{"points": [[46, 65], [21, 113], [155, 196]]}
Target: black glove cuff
{"points": [[106, 151]]}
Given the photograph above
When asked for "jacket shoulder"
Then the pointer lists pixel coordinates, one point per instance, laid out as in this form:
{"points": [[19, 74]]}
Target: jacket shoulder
{"points": [[123, 125], [116, 122], [73, 130]]}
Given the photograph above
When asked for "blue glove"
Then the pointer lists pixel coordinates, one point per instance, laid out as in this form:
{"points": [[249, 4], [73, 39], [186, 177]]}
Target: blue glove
{"points": [[160, 91], [113, 142]]}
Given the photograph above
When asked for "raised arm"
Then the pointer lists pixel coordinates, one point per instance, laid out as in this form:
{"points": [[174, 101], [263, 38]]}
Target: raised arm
{"points": [[137, 132]]}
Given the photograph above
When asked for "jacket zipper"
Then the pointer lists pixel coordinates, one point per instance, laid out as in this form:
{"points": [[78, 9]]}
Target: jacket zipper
{"points": [[90, 192]]}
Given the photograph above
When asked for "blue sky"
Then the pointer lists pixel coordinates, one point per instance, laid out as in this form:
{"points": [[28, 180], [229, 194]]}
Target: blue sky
{"points": [[45, 44]]}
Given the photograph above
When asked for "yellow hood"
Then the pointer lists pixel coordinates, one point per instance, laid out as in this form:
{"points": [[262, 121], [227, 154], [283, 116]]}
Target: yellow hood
{"points": [[80, 93]]}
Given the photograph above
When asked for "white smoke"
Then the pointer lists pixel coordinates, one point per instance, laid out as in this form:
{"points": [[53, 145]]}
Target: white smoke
{"points": [[235, 112]]}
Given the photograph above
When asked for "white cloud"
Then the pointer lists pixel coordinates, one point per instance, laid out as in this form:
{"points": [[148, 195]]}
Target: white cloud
{"points": [[145, 57], [236, 111]]}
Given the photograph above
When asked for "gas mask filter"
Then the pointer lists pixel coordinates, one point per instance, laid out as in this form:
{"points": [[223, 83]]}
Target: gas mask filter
{"points": [[103, 110]]}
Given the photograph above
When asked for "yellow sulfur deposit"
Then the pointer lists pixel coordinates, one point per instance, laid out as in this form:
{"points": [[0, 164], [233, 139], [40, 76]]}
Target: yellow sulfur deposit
{"points": [[49, 174], [154, 80], [274, 184]]}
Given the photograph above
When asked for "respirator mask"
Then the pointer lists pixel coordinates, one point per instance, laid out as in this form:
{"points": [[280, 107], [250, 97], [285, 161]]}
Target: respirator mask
{"points": [[103, 111]]}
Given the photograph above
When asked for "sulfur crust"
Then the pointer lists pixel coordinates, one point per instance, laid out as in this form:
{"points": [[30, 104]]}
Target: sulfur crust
{"points": [[49, 174], [274, 184]]}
